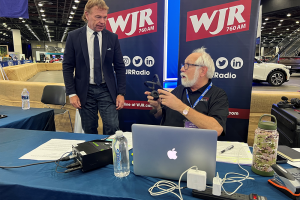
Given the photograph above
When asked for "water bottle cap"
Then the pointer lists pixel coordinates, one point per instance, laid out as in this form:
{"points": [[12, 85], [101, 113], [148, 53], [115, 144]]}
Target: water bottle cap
{"points": [[24, 89], [267, 125], [119, 133]]}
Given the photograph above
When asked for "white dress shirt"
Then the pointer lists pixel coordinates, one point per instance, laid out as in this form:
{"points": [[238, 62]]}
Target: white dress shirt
{"points": [[90, 44]]}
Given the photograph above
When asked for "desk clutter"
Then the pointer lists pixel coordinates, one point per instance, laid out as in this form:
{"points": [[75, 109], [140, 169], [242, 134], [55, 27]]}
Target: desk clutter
{"points": [[237, 155]]}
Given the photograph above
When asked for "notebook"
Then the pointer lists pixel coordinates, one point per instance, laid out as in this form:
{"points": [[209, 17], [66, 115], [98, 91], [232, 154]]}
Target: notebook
{"points": [[288, 153], [166, 152]]}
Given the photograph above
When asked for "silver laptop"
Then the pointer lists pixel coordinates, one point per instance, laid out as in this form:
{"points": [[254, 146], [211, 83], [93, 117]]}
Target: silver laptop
{"points": [[166, 152]]}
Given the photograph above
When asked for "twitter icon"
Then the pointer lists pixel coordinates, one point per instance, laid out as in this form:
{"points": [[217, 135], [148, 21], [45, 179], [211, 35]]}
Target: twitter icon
{"points": [[221, 63]]}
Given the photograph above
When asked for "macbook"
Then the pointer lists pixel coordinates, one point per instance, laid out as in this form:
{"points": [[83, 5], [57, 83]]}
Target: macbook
{"points": [[166, 152]]}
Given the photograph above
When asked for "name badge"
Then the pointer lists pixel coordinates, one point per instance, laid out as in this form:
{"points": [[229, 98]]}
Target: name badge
{"points": [[188, 124]]}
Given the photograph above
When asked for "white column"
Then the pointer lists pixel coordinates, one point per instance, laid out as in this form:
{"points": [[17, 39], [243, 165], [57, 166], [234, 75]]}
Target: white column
{"points": [[17, 40], [59, 45], [277, 49], [262, 51]]}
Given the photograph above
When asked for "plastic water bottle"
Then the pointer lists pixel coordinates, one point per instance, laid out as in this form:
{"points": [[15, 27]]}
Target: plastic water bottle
{"points": [[25, 99], [120, 155]]}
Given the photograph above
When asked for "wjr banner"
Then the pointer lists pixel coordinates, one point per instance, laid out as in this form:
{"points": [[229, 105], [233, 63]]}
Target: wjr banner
{"points": [[140, 28], [227, 28], [14, 8]]}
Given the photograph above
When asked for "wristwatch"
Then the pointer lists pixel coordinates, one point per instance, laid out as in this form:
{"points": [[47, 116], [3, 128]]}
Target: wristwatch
{"points": [[186, 111], [122, 94]]}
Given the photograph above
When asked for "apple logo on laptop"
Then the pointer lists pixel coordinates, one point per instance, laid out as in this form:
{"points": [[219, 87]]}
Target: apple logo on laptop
{"points": [[172, 154]]}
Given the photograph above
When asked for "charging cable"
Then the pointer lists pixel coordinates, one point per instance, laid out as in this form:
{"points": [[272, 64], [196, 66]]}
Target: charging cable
{"points": [[170, 185], [237, 179]]}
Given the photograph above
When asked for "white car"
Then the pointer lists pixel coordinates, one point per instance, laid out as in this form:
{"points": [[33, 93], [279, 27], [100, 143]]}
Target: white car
{"points": [[275, 74]]}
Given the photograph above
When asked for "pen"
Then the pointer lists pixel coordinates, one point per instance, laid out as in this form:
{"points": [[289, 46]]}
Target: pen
{"points": [[227, 149]]}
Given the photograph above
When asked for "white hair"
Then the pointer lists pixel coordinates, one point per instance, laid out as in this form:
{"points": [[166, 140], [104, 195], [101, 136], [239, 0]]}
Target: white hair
{"points": [[205, 60]]}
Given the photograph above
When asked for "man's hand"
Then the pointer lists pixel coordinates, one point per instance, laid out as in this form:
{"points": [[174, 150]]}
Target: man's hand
{"points": [[75, 101], [153, 103], [170, 100], [120, 102]]}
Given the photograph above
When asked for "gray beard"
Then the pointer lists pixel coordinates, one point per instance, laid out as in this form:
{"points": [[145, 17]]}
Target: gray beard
{"points": [[190, 83]]}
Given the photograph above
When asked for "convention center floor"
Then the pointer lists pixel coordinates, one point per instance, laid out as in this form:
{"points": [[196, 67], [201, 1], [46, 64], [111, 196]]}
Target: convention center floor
{"points": [[292, 86]]}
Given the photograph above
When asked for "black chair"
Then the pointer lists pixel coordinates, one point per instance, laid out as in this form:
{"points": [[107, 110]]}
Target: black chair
{"points": [[56, 95]]}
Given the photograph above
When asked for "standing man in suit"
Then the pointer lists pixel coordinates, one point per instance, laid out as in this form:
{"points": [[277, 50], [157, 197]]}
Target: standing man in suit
{"points": [[99, 83]]}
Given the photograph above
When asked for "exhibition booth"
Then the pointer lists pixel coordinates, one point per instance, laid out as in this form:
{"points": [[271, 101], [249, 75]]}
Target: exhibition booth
{"points": [[228, 31]]}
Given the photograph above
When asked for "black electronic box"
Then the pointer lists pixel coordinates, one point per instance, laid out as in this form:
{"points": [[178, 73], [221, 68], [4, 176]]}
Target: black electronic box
{"points": [[93, 154], [288, 125]]}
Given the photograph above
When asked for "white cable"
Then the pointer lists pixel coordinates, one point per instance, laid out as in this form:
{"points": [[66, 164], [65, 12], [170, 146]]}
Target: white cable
{"points": [[233, 179], [171, 186]]}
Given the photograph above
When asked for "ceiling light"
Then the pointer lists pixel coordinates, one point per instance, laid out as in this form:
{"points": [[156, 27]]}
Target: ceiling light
{"points": [[20, 17], [71, 17], [297, 22], [44, 19], [264, 23], [280, 33], [43, 15], [74, 7], [281, 20], [289, 14], [279, 24], [72, 13], [273, 31], [42, 10], [274, 28], [40, 4], [269, 33], [262, 27], [287, 29], [76, 1], [8, 28], [267, 19], [69, 20], [68, 23], [23, 21]]}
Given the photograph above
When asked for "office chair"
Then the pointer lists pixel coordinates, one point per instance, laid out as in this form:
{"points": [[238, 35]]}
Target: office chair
{"points": [[56, 95]]}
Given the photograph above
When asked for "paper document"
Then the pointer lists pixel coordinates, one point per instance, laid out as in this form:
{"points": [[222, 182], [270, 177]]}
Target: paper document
{"points": [[51, 150], [240, 153], [128, 136], [295, 164]]}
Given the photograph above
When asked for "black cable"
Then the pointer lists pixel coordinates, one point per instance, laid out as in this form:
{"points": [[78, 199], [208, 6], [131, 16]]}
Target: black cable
{"points": [[5, 167], [66, 158], [75, 164], [72, 169]]}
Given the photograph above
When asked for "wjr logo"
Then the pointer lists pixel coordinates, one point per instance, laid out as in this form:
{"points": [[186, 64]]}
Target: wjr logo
{"points": [[218, 20], [133, 22]]}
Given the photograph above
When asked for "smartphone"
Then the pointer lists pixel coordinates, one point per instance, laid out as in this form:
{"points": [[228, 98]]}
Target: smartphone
{"points": [[280, 160], [2, 116]]}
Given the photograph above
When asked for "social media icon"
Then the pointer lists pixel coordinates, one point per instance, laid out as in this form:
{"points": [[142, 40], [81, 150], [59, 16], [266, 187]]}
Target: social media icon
{"points": [[237, 63], [149, 61], [221, 63], [137, 61], [126, 60]]}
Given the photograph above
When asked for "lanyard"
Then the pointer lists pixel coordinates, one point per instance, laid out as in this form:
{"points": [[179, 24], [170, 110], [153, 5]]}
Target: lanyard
{"points": [[201, 96]]}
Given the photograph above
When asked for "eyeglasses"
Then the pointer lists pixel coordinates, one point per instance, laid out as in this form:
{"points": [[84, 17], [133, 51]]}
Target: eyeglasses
{"points": [[187, 65]]}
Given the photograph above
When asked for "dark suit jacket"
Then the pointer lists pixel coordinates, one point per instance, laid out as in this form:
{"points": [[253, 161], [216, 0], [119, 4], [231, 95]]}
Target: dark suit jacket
{"points": [[76, 56]]}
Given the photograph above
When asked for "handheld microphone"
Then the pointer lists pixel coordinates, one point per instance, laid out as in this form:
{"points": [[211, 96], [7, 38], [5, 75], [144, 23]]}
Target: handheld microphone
{"points": [[284, 98]]}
